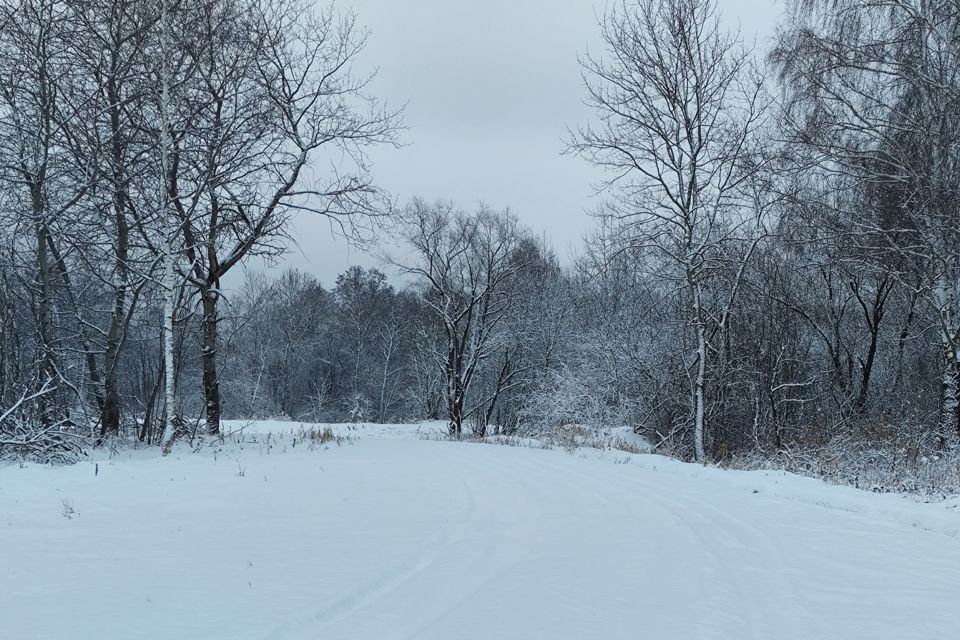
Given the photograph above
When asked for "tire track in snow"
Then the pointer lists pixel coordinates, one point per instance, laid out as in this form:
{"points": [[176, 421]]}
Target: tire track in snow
{"points": [[556, 484], [692, 521], [480, 560], [382, 586], [511, 512]]}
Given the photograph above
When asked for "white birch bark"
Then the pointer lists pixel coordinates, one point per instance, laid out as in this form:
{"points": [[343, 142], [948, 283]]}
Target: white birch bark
{"points": [[701, 379], [169, 281]]}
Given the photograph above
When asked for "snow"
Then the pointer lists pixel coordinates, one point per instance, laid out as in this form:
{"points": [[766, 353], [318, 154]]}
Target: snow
{"points": [[389, 535]]}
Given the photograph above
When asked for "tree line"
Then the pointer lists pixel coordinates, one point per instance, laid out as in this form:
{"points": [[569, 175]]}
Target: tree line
{"points": [[775, 266]]}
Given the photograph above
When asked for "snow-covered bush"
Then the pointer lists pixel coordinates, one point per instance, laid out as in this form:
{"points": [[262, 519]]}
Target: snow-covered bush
{"points": [[570, 397], [27, 435]]}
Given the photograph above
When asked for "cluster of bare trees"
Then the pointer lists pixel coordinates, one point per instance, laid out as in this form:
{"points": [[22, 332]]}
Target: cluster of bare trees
{"points": [[789, 261], [775, 268], [146, 150], [480, 321], [293, 348]]}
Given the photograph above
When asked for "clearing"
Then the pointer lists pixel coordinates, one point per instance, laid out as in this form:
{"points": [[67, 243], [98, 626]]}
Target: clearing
{"points": [[392, 536]]}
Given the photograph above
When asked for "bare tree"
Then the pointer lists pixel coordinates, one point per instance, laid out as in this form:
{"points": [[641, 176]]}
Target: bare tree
{"points": [[679, 102], [275, 90], [466, 262], [172, 420]]}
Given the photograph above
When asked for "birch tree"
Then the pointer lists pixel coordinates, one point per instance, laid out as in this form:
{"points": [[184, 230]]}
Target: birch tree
{"points": [[169, 282]]}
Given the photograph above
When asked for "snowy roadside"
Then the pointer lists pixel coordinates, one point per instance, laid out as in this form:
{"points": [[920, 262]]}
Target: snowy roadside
{"points": [[617, 445]]}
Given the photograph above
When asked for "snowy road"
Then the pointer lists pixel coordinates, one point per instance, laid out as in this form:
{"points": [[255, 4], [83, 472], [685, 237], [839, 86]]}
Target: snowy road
{"points": [[402, 538]]}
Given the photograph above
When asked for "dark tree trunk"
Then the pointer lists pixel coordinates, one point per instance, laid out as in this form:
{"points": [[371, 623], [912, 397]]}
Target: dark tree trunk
{"points": [[47, 367], [503, 378], [950, 390], [211, 383], [904, 336], [456, 416], [110, 415], [866, 369], [146, 430], [874, 314]]}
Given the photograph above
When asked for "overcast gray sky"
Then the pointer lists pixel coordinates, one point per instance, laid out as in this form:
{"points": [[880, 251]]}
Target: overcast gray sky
{"points": [[490, 87]]}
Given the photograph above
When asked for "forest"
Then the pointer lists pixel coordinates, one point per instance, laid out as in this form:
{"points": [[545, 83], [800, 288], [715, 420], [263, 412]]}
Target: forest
{"points": [[773, 276]]}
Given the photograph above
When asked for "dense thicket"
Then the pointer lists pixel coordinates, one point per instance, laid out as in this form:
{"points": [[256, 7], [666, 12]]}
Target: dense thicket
{"points": [[775, 271]]}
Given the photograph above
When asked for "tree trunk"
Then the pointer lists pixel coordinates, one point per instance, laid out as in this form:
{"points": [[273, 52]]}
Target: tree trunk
{"points": [[699, 400], [110, 415], [172, 425], [456, 416], [700, 383], [866, 369], [47, 368], [946, 300], [904, 336], [146, 429], [211, 383], [950, 387]]}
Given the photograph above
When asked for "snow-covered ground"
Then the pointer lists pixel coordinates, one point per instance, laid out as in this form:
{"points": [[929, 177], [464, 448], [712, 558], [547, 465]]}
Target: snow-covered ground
{"points": [[390, 535]]}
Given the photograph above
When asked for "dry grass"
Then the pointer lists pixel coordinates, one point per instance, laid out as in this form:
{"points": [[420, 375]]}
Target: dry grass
{"points": [[318, 436], [568, 438]]}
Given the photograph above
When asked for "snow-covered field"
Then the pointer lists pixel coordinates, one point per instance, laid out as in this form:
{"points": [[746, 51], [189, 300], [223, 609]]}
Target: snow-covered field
{"points": [[392, 536]]}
